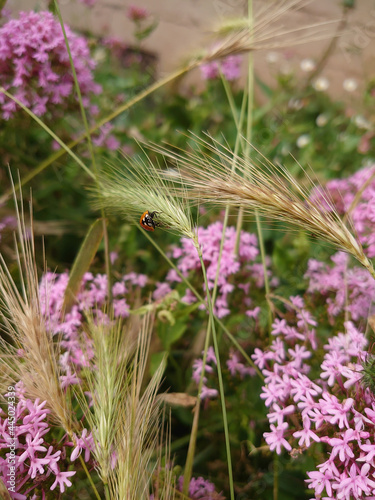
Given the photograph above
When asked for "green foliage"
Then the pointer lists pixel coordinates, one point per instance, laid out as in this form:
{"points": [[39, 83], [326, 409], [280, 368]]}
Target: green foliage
{"points": [[285, 112]]}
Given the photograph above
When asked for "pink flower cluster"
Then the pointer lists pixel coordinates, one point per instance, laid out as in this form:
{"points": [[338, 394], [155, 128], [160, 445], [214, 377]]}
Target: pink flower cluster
{"points": [[334, 409], [34, 459], [201, 488], [345, 289], [136, 13], [92, 297], [341, 193], [35, 67], [206, 393], [210, 239], [230, 67]]}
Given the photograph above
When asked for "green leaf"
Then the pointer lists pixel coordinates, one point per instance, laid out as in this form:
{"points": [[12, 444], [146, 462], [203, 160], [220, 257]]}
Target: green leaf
{"points": [[155, 360], [267, 90], [82, 262], [141, 34], [169, 334]]}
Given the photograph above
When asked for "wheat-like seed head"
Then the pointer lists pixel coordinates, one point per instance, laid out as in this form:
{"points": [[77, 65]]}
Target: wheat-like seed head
{"points": [[137, 186], [266, 187], [37, 366], [266, 31], [138, 424]]}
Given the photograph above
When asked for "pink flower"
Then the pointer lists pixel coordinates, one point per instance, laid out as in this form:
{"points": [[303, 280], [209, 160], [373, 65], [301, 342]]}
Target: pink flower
{"points": [[306, 434], [85, 442], [356, 483], [135, 13], [275, 439], [341, 447], [62, 480], [230, 67], [278, 414], [35, 67]]}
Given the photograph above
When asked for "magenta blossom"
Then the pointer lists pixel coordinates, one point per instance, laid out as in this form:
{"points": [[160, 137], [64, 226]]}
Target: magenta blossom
{"points": [[35, 67]]}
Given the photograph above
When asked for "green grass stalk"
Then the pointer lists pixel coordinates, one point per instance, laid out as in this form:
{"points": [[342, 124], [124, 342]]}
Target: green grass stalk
{"points": [[249, 134], [220, 379], [65, 148], [194, 429], [200, 298], [91, 150]]}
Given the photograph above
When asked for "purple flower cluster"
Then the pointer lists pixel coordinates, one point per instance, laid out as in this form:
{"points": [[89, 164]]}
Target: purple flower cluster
{"points": [[34, 459], [236, 367], [230, 67], [210, 239], [92, 297], [206, 393], [136, 13], [334, 409], [35, 67], [201, 488], [346, 289], [341, 193]]}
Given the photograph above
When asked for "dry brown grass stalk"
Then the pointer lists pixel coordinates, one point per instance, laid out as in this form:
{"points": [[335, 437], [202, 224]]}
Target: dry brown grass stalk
{"points": [[267, 32], [138, 425], [31, 353], [266, 187]]}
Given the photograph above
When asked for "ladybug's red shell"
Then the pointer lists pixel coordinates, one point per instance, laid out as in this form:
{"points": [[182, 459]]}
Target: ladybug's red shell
{"points": [[147, 221]]}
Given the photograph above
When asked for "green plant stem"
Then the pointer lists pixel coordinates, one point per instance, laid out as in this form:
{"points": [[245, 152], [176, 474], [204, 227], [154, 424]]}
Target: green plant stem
{"points": [[121, 109], [65, 148], [193, 438], [194, 430], [92, 153], [250, 108], [220, 379], [236, 147], [200, 298], [89, 477], [106, 492]]}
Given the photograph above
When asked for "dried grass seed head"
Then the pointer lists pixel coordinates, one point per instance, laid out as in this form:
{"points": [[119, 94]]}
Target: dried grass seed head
{"points": [[139, 186], [38, 367], [271, 189], [266, 31]]}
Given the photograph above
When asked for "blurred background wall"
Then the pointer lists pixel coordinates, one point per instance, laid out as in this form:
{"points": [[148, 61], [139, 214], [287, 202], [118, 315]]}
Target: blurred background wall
{"points": [[185, 25]]}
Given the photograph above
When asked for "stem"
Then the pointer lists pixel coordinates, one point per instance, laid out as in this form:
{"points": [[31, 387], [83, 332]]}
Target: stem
{"points": [[194, 429], [192, 444], [67, 148], [330, 49], [92, 154], [220, 378], [236, 147], [200, 298], [90, 478], [250, 108]]}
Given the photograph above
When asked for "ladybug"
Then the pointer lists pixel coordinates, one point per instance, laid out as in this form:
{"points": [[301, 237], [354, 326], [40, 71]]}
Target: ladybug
{"points": [[147, 221]]}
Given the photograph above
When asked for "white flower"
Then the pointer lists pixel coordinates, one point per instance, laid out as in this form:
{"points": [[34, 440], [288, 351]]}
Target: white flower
{"points": [[307, 65], [272, 57], [321, 120], [296, 104], [303, 140], [321, 84], [362, 122], [100, 55], [350, 84]]}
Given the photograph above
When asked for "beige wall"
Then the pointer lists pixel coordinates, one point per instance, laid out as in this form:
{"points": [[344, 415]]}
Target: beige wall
{"points": [[184, 25]]}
